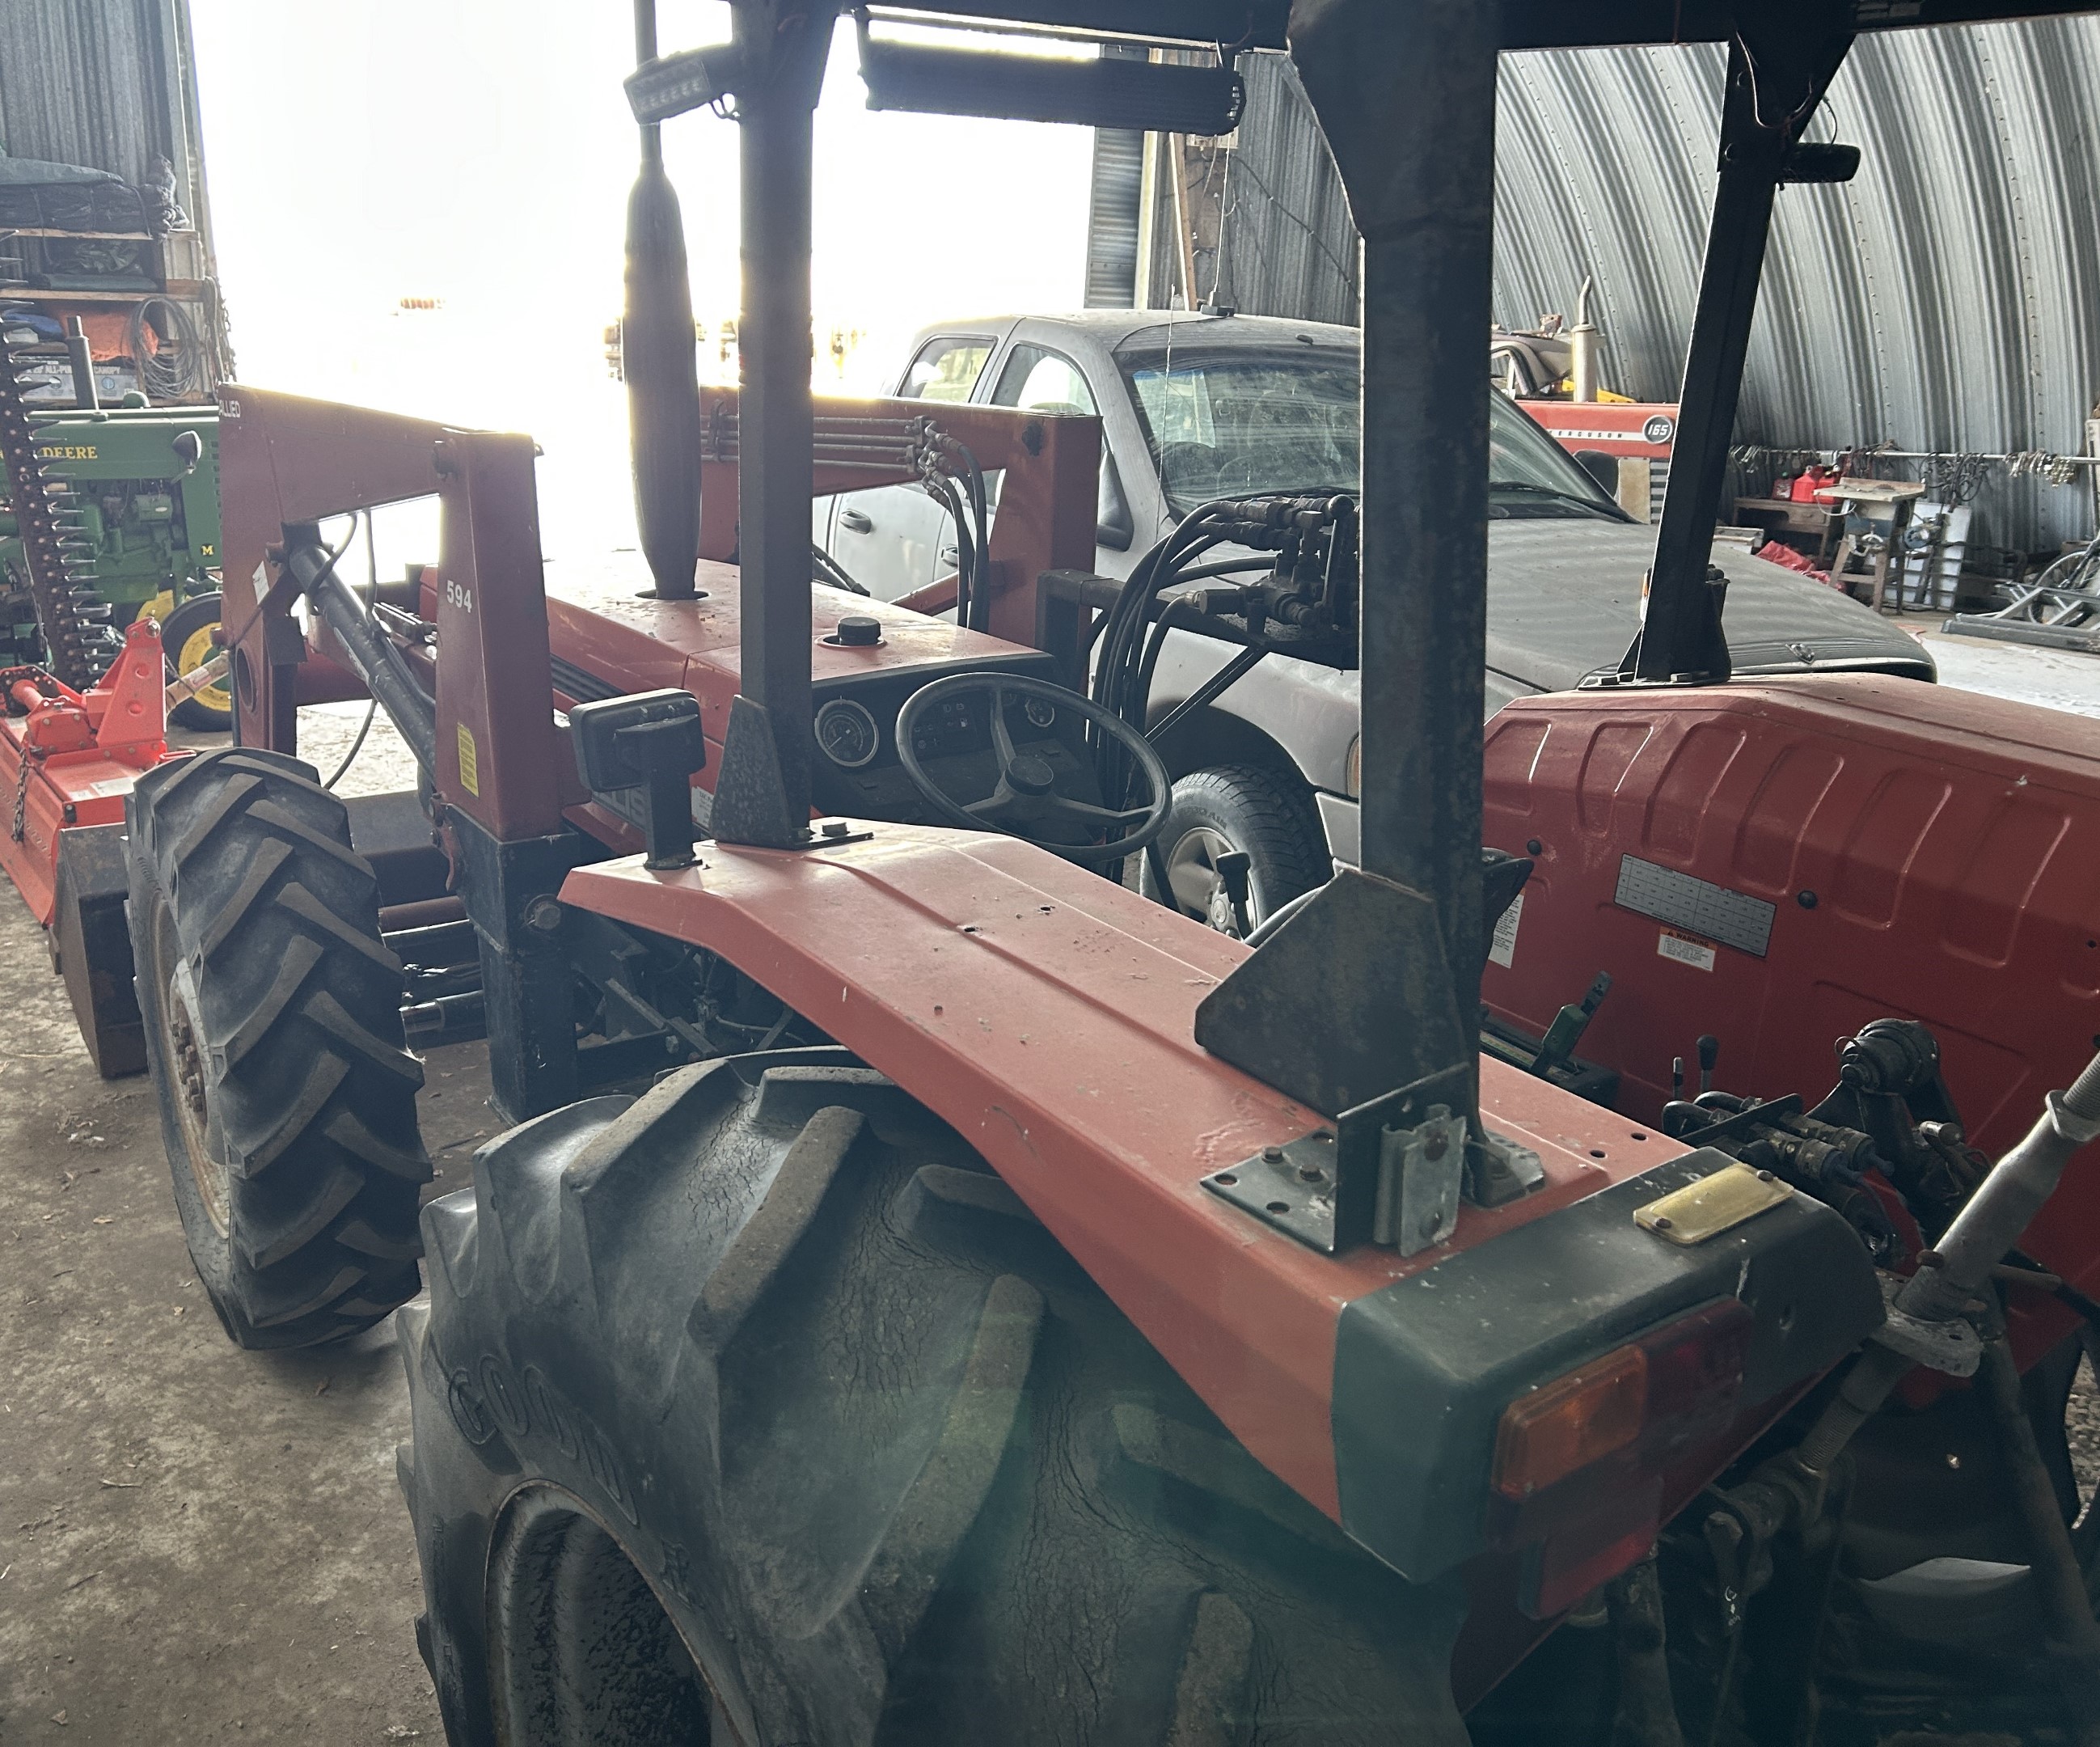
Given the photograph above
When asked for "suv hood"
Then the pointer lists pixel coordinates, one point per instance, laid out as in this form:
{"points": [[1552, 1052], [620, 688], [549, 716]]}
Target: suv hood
{"points": [[1563, 601]]}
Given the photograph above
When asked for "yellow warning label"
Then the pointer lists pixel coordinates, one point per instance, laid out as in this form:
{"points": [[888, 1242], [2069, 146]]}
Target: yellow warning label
{"points": [[470, 764]]}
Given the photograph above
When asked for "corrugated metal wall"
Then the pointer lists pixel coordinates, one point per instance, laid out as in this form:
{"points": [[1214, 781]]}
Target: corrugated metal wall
{"points": [[1299, 256], [81, 82], [1947, 299], [1112, 218]]}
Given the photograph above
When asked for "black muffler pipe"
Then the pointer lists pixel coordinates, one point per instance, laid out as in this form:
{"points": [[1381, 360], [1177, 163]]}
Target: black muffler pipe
{"points": [[656, 355], [381, 669]]}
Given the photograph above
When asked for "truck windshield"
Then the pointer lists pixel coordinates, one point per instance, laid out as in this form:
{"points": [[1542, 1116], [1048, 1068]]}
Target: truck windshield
{"points": [[1227, 424]]}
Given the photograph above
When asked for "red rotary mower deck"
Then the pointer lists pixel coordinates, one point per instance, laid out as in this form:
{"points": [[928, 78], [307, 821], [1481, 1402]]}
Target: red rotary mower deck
{"points": [[68, 759]]}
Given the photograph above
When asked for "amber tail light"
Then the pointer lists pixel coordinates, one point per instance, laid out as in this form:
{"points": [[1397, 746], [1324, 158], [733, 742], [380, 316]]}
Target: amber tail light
{"points": [[1580, 1458], [1570, 1423]]}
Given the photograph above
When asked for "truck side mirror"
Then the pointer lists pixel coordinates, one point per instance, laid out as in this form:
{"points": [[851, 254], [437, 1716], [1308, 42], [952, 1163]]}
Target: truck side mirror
{"points": [[1115, 527]]}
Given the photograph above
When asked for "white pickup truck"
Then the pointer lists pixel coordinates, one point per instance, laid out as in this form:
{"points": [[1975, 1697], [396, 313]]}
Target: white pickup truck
{"points": [[1197, 407]]}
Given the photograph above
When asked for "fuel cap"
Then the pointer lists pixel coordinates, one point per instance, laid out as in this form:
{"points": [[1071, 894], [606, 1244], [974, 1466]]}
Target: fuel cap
{"points": [[857, 633]]}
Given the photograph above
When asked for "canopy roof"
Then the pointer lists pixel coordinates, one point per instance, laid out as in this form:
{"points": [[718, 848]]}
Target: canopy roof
{"points": [[1526, 24]]}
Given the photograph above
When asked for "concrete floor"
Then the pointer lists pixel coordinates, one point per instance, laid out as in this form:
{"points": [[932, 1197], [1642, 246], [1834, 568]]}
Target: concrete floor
{"points": [[196, 1544], [2060, 679], [200, 1545]]}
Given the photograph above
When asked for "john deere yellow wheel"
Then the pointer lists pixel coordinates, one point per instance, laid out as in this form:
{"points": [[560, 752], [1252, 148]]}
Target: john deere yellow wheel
{"points": [[187, 635]]}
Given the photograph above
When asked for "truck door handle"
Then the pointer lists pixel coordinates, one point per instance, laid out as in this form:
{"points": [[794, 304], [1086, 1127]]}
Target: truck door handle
{"points": [[855, 521], [949, 555]]}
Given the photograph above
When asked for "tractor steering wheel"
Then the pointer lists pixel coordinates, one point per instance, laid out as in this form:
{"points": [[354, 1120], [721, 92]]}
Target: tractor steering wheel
{"points": [[1025, 791]]}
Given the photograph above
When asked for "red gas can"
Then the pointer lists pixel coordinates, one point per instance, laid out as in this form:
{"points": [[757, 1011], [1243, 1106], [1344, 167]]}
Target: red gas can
{"points": [[1810, 481]]}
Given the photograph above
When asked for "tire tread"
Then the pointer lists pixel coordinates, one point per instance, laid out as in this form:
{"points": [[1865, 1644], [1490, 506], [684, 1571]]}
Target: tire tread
{"points": [[885, 1499], [241, 863], [1268, 814]]}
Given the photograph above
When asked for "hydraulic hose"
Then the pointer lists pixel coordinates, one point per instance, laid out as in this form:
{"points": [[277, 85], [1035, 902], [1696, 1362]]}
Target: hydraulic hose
{"points": [[2055, 1563], [370, 653], [1281, 914]]}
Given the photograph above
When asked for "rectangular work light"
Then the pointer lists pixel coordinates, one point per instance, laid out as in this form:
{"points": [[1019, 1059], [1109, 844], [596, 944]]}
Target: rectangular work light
{"points": [[1142, 95]]}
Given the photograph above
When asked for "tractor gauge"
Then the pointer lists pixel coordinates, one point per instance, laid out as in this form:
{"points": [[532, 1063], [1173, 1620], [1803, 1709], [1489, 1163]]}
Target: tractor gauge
{"points": [[847, 734], [1041, 712]]}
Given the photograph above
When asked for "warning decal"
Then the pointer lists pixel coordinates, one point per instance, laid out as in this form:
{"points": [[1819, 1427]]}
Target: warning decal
{"points": [[469, 763]]}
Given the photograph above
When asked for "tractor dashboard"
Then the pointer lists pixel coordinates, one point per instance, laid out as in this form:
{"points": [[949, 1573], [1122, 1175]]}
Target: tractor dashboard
{"points": [[860, 771], [608, 639]]}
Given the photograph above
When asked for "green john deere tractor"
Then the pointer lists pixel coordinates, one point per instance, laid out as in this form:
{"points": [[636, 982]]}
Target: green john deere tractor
{"points": [[144, 485]]}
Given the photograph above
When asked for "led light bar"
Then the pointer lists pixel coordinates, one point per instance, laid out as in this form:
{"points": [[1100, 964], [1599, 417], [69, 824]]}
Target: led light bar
{"points": [[1145, 96]]}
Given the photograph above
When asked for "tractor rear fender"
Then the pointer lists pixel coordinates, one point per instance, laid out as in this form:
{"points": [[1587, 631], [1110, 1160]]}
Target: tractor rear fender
{"points": [[1048, 1015]]}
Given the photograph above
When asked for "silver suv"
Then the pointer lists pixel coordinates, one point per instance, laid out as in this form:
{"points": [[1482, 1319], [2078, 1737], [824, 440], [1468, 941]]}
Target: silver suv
{"points": [[1194, 408]]}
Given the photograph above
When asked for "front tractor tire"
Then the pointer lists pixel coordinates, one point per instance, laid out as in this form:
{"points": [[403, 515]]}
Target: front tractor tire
{"points": [[758, 1411], [272, 1016]]}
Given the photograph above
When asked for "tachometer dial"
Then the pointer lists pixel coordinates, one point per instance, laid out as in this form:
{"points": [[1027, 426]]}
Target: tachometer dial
{"points": [[847, 734]]}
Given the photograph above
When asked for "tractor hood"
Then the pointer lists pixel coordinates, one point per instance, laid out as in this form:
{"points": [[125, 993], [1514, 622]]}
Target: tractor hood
{"points": [[1563, 601]]}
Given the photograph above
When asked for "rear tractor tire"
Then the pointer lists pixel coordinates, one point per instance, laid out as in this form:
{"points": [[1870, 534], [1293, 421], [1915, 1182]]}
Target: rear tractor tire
{"points": [[272, 1017], [758, 1411]]}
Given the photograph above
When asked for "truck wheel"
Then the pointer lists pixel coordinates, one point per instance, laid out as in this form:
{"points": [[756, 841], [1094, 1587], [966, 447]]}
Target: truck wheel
{"points": [[1245, 807], [186, 635], [758, 1411], [273, 1033]]}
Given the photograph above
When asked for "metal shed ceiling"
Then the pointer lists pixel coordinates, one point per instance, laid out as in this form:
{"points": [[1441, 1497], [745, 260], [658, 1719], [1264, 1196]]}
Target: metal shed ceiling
{"points": [[1947, 299]]}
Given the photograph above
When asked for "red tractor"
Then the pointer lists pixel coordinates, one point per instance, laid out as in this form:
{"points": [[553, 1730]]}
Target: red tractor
{"points": [[934, 1295]]}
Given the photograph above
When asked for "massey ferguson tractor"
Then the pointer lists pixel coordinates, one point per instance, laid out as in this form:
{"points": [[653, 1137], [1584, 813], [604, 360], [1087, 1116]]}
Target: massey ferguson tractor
{"points": [[933, 1295]]}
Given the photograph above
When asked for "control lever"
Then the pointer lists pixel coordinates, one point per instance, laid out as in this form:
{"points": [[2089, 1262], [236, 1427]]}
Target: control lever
{"points": [[1709, 1052], [1569, 1025], [1232, 868], [651, 744]]}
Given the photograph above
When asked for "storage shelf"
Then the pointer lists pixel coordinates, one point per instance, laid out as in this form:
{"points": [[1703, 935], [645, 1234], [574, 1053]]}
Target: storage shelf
{"points": [[7, 231], [31, 294]]}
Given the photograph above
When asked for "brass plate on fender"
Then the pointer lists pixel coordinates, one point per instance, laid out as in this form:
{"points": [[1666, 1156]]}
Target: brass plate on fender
{"points": [[1713, 1205]]}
